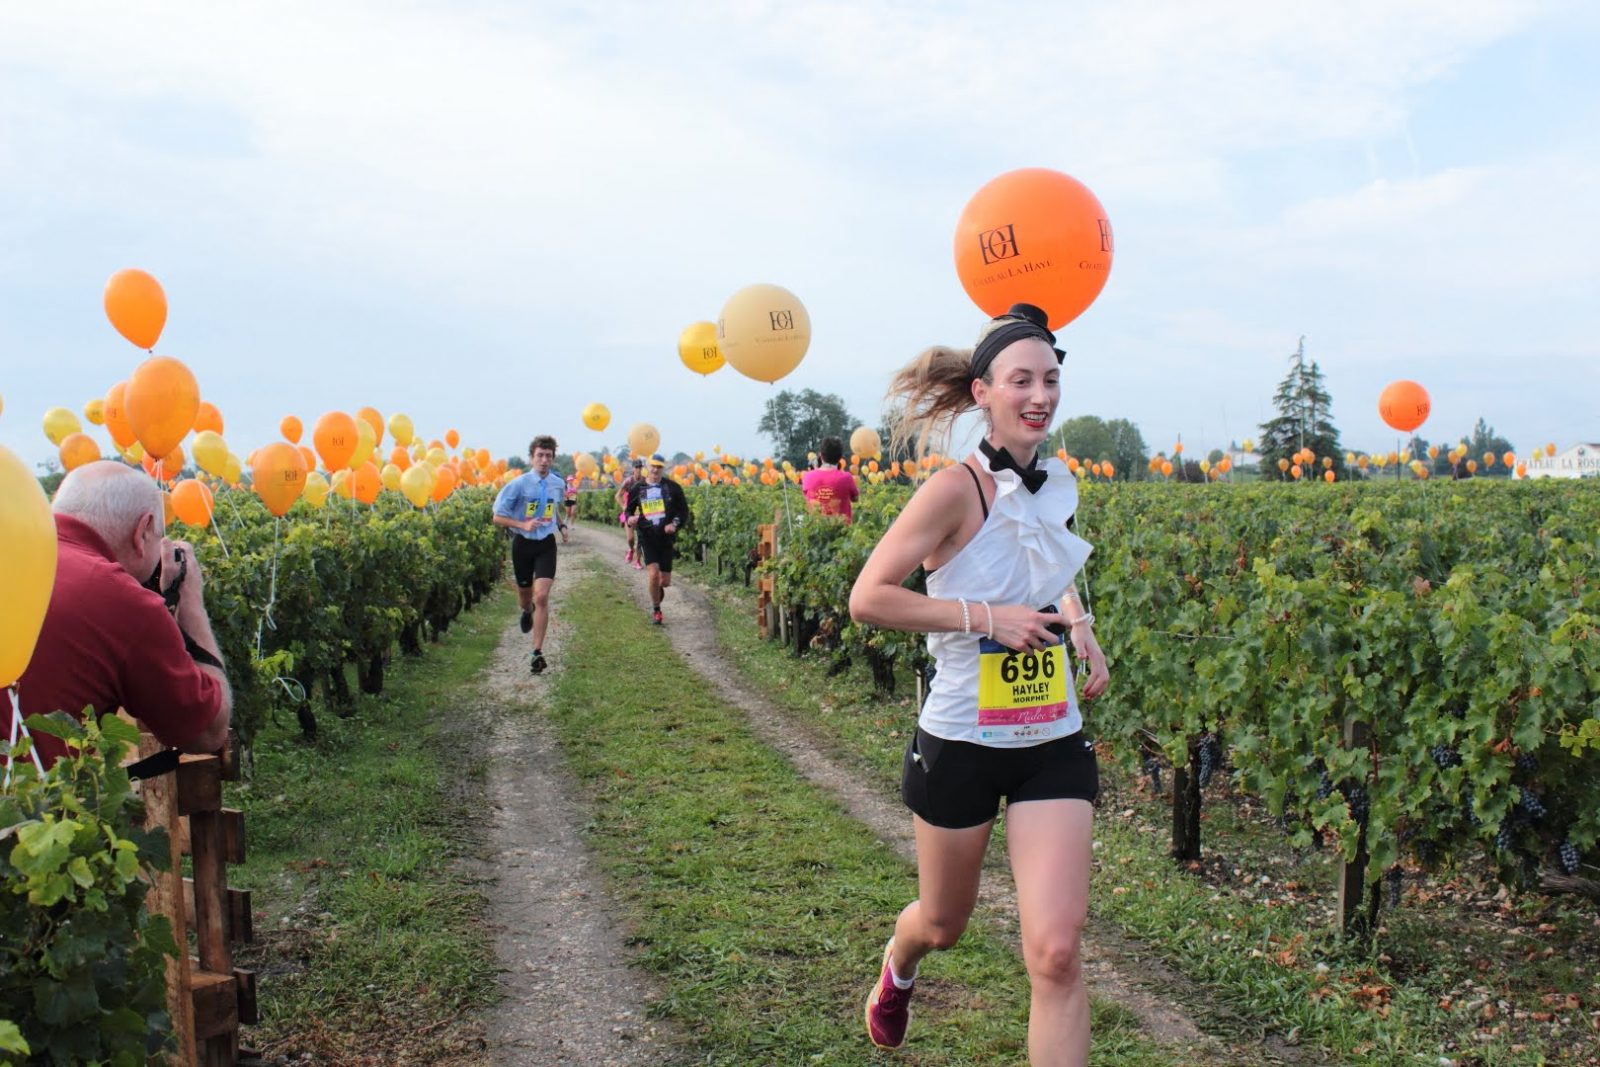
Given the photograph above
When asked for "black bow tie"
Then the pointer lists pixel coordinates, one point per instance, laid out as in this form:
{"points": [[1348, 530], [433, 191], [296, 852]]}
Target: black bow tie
{"points": [[1033, 476]]}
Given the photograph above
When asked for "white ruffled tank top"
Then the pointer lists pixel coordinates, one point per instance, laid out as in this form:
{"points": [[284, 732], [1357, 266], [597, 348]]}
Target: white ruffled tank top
{"points": [[1022, 554]]}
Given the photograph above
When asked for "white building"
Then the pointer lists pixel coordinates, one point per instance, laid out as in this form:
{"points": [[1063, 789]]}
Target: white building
{"points": [[1579, 461]]}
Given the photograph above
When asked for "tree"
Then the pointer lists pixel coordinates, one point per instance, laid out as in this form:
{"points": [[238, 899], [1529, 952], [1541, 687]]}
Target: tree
{"points": [[1484, 439], [1089, 437], [797, 423], [1304, 420]]}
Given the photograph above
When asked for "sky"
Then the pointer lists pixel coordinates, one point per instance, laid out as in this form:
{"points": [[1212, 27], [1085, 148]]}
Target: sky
{"points": [[488, 214]]}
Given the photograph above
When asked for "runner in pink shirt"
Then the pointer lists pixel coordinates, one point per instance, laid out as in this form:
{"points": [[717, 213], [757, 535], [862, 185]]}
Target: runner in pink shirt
{"points": [[828, 488]]}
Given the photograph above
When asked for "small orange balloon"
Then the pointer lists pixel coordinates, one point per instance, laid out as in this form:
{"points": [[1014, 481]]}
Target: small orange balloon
{"points": [[452, 438], [367, 483], [116, 412], [136, 306], [1327, 476], [191, 502], [207, 417], [336, 437], [1034, 236], [371, 417], [291, 429], [1296, 472], [162, 399], [444, 483], [278, 475], [1404, 405], [484, 459], [308, 456], [1509, 458], [400, 457], [78, 449]]}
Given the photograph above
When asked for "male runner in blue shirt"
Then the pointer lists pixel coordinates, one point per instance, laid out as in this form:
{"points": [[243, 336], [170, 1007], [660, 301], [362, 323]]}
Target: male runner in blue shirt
{"points": [[530, 507]]}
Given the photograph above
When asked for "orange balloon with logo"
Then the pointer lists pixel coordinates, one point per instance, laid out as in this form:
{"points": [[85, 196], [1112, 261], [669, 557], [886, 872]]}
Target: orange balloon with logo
{"points": [[191, 502], [136, 306], [367, 483], [162, 399], [1034, 236], [207, 417], [278, 475], [1404, 405], [291, 429], [116, 415], [336, 437]]}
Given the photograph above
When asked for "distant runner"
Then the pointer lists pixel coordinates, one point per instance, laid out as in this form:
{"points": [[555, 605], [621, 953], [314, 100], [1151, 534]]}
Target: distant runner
{"points": [[528, 507], [657, 510], [574, 480], [636, 475]]}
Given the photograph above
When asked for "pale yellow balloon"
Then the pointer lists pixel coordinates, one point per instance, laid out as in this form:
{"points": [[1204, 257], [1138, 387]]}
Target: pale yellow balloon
{"points": [[95, 412], [643, 439], [27, 566], [865, 443], [342, 486], [210, 452], [58, 422], [763, 332], [316, 491], [366, 442], [401, 430], [436, 457], [417, 484], [233, 469], [697, 348], [390, 476]]}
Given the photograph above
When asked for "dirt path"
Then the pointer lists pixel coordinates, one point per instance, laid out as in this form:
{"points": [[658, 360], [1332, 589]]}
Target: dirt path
{"points": [[1116, 967], [570, 995]]}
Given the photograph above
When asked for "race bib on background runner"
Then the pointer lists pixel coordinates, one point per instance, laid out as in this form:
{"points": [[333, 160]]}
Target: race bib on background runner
{"points": [[653, 508], [1020, 694]]}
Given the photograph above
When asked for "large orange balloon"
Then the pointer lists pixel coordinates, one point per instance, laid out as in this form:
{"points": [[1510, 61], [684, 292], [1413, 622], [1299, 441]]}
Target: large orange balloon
{"points": [[207, 417], [336, 438], [1034, 236], [162, 399], [278, 475], [78, 449], [27, 566], [191, 502], [697, 348], [1404, 405], [291, 429], [136, 306], [116, 413], [763, 332]]}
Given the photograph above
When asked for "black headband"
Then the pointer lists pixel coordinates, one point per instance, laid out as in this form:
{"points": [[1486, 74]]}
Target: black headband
{"points": [[1021, 322]]}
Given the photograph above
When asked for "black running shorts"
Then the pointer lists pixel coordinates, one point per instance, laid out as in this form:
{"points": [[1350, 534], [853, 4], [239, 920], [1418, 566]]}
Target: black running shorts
{"points": [[659, 548], [957, 784], [532, 559]]}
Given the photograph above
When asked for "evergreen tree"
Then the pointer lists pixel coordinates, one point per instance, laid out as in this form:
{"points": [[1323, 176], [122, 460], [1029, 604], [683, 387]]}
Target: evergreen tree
{"points": [[1304, 419]]}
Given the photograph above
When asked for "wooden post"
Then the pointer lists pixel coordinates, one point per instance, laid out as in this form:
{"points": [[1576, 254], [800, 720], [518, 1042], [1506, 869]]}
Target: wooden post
{"points": [[166, 898], [1352, 919], [1186, 809]]}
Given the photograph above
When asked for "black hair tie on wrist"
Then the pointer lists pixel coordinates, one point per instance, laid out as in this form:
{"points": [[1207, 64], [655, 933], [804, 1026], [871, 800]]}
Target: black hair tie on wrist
{"points": [[1022, 321]]}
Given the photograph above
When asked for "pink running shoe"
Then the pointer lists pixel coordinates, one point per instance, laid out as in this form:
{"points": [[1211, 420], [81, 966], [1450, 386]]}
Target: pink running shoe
{"points": [[628, 556], [638, 563], [888, 1008]]}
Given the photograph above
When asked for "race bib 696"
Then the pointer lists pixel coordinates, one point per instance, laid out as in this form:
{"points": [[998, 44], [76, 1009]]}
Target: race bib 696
{"points": [[1021, 688]]}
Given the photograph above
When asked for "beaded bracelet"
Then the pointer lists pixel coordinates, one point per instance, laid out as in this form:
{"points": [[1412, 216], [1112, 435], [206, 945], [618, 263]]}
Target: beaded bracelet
{"points": [[990, 612], [1087, 617], [966, 620]]}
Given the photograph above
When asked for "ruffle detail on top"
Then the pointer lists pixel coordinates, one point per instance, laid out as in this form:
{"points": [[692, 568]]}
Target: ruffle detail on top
{"points": [[1037, 522]]}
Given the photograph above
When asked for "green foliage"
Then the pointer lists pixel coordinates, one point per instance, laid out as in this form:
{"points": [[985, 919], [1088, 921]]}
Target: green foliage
{"points": [[1304, 419], [81, 961], [1091, 438], [797, 423]]}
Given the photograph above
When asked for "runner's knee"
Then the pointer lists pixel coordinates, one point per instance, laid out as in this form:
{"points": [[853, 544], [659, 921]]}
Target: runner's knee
{"points": [[1056, 958], [943, 931]]}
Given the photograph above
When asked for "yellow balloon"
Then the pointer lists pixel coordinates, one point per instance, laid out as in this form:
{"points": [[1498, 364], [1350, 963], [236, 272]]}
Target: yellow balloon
{"points": [[436, 457], [865, 443], [597, 416], [210, 452], [27, 566], [95, 412], [316, 491], [233, 469], [418, 450], [58, 422], [417, 483], [697, 348], [390, 476], [584, 464], [341, 485], [366, 442], [764, 332], [401, 430], [643, 439]]}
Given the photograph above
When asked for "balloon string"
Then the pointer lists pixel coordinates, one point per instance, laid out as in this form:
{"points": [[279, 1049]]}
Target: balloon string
{"points": [[292, 686], [237, 520], [272, 589], [218, 531], [18, 728]]}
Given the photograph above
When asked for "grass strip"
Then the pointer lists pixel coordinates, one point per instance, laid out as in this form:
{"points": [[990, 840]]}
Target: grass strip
{"points": [[370, 940], [759, 902], [1274, 968]]}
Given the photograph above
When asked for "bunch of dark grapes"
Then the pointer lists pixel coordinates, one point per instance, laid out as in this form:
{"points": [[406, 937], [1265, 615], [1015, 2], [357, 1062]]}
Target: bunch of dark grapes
{"points": [[1355, 797], [1324, 785], [1210, 752], [1445, 757], [1569, 857], [1467, 805], [1506, 837], [1152, 767], [1530, 806], [1527, 762], [1396, 880]]}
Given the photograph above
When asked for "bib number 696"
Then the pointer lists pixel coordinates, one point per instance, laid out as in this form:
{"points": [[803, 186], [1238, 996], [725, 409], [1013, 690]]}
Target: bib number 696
{"points": [[1027, 667]]}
